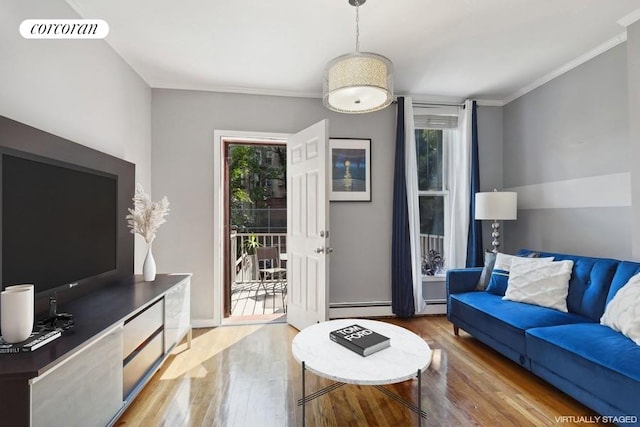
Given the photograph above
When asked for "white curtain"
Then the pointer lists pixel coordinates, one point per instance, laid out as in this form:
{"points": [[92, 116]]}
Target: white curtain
{"points": [[459, 144], [411, 176]]}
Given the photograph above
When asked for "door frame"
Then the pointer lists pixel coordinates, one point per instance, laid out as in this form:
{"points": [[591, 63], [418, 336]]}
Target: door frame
{"points": [[226, 255], [219, 138]]}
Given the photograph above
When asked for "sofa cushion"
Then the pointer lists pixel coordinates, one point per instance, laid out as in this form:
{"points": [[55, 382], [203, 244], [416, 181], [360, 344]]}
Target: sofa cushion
{"points": [[589, 284], [544, 284], [592, 356], [506, 321], [623, 311]]}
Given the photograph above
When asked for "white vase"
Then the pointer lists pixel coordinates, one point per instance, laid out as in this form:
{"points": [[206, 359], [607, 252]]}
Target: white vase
{"points": [[16, 308], [149, 266]]}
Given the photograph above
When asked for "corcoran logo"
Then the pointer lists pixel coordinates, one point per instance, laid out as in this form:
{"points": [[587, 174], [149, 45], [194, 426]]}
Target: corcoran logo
{"points": [[64, 29]]}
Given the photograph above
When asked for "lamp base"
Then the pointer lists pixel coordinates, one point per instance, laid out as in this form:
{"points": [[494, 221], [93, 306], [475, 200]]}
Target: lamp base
{"points": [[495, 234]]}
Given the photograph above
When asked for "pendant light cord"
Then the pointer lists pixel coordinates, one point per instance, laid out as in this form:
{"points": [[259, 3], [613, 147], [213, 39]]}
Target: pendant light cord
{"points": [[357, 26]]}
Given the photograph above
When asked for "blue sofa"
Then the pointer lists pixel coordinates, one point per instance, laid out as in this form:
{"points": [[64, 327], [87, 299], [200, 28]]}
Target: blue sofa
{"points": [[590, 362]]}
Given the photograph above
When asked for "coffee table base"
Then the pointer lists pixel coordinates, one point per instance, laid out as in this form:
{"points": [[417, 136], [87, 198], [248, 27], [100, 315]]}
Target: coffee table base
{"points": [[415, 409]]}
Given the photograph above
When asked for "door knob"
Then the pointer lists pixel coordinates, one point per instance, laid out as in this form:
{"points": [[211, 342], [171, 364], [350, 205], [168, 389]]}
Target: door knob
{"points": [[329, 250], [319, 250]]}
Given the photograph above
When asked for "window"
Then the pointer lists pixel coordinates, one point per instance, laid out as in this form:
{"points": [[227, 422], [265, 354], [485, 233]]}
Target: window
{"points": [[432, 197], [435, 129]]}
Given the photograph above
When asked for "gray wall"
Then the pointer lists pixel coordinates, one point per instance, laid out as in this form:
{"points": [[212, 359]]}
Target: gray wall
{"points": [[566, 147], [490, 157], [77, 89], [183, 124], [633, 79]]}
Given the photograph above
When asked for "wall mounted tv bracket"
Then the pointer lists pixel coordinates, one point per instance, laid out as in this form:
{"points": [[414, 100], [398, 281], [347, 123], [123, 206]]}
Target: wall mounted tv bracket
{"points": [[56, 320]]}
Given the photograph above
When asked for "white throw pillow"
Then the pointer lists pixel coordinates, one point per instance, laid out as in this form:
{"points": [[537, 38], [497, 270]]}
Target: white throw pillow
{"points": [[542, 283], [503, 261], [500, 274], [622, 314]]}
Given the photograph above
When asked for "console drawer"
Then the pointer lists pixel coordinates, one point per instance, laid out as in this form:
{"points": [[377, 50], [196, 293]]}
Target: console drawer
{"points": [[84, 390], [141, 327], [140, 363]]}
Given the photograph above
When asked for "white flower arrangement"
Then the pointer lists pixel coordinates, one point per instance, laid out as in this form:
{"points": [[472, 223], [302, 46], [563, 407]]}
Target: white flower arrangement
{"points": [[146, 216]]}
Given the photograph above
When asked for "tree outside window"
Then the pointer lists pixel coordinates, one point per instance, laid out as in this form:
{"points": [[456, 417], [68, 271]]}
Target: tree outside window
{"points": [[257, 188]]}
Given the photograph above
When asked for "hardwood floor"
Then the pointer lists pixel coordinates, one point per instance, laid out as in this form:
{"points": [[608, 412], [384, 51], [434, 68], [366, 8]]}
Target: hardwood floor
{"points": [[246, 376]]}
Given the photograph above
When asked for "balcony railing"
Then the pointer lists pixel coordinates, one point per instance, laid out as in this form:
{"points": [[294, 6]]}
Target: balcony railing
{"points": [[242, 264], [243, 267], [250, 295], [431, 242]]}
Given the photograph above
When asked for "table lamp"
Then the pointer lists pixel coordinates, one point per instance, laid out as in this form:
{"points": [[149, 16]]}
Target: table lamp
{"points": [[496, 205]]}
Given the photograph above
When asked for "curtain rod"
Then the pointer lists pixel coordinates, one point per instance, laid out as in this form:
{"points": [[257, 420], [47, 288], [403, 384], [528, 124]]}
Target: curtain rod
{"points": [[433, 104]]}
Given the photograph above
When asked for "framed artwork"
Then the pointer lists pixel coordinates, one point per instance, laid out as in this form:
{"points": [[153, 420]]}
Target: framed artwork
{"points": [[350, 171]]}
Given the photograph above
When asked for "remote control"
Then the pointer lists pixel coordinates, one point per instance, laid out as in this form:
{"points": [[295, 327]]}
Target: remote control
{"points": [[42, 340]]}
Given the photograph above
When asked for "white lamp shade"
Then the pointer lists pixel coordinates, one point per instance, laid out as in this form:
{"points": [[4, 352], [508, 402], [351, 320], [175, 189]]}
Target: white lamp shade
{"points": [[358, 82], [497, 205]]}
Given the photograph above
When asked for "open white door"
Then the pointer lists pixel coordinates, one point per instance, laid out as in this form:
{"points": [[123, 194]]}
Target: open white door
{"points": [[308, 230]]}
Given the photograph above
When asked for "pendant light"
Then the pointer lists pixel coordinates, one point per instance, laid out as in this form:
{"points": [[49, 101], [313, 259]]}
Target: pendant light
{"points": [[358, 82]]}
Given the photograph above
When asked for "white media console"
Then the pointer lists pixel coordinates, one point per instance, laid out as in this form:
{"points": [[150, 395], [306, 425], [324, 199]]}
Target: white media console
{"points": [[88, 377]]}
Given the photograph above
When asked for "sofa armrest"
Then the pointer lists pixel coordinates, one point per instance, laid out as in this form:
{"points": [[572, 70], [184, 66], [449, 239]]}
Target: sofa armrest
{"points": [[462, 280]]}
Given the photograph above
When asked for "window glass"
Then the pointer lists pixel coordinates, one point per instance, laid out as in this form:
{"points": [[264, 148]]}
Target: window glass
{"points": [[432, 198], [432, 234], [430, 157], [432, 215]]}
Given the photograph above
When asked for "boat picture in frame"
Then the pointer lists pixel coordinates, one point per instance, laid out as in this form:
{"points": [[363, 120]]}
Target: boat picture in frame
{"points": [[350, 171]]}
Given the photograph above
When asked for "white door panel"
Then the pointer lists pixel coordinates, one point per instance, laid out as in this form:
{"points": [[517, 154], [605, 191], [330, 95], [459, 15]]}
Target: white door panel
{"points": [[307, 239]]}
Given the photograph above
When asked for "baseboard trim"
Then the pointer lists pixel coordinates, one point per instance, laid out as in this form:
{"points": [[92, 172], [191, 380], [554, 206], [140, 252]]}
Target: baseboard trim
{"points": [[343, 312], [376, 309], [434, 308]]}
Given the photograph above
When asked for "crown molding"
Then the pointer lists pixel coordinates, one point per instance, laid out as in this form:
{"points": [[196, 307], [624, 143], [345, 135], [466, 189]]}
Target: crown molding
{"points": [[587, 56], [609, 44], [75, 6], [490, 102], [294, 94], [236, 89], [629, 19], [436, 99]]}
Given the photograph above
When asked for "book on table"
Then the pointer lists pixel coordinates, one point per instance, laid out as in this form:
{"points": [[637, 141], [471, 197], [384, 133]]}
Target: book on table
{"points": [[36, 340], [359, 339]]}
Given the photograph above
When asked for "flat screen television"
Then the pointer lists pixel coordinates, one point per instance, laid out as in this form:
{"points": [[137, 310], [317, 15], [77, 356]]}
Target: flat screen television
{"points": [[58, 223], [62, 214]]}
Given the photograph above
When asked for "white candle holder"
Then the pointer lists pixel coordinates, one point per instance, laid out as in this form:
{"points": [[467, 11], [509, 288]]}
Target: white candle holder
{"points": [[16, 313]]}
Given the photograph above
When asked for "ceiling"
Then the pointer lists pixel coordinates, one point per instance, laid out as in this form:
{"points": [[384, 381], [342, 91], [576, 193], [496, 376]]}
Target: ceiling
{"points": [[441, 49]]}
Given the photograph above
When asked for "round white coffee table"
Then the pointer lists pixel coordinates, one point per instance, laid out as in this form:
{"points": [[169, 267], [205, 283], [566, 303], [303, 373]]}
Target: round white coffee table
{"points": [[406, 358]]}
